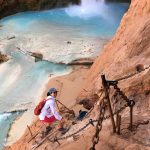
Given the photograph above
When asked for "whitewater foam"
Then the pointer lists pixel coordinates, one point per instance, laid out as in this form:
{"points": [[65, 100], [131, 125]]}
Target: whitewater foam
{"points": [[88, 9], [4, 116]]}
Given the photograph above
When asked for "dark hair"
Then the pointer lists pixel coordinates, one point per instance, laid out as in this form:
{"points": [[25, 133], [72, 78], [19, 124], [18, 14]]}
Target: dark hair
{"points": [[48, 94]]}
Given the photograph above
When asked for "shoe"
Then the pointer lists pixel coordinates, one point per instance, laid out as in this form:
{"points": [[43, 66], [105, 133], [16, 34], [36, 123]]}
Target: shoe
{"points": [[63, 130], [46, 131], [48, 128]]}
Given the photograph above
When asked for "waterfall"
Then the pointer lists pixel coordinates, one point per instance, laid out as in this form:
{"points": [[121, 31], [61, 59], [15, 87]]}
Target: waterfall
{"points": [[88, 8]]}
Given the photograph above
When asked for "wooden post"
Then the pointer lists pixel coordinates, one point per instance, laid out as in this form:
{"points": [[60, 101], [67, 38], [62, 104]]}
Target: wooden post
{"points": [[43, 140], [29, 130], [118, 123], [105, 86], [34, 136], [117, 120], [131, 115]]}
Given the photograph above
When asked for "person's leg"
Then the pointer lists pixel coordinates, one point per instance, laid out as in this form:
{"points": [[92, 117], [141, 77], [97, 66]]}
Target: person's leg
{"points": [[47, 123], [61, 124]]}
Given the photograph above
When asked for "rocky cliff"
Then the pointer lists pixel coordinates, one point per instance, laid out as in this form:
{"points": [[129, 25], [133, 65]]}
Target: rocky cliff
{"points": [[127, 52], [9, 7], [129, 48]]}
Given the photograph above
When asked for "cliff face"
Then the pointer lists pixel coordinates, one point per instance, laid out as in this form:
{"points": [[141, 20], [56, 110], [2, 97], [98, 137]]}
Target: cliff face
{"points": [[9, 7], [129, 49]]}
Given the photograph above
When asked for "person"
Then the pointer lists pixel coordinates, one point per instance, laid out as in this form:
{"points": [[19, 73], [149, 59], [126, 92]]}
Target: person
{"points": [[49, 114]]}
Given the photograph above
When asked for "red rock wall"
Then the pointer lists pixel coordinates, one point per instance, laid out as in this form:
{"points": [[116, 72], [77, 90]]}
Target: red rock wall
{"points": [[129, 48]]}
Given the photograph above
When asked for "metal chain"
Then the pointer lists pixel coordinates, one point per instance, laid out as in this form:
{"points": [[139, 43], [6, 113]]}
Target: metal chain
{"points": [[68, 136], [81, 129], [132, 74], [101, 117], [95, 139], [130, 103], [103, 104], [91, 122], [116, 112], [99, 120]]}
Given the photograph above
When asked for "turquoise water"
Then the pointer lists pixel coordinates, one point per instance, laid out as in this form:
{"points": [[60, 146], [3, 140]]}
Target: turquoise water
{"points": [[88, 27], [6, 120], [48, 31], [22, 85], [22, 81], [98, 25]]}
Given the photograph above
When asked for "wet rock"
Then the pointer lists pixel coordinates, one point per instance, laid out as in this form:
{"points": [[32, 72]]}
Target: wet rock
{"points": [[38, 56], [82, 61]]}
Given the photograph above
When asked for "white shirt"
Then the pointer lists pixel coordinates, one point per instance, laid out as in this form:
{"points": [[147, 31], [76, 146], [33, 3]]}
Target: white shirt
{"points": [[49, 109]]}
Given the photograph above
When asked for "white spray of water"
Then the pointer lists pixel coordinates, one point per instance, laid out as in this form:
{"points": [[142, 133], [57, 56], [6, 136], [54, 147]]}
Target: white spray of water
{"points": [[8, 76], [4, 116], [88, 8]]}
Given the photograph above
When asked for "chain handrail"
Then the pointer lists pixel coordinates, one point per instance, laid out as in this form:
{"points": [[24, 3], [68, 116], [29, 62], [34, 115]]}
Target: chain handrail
{"points": [[101, 118], [130, 103], [91, 123], [131, 75], [95, 138], [102, 108]]}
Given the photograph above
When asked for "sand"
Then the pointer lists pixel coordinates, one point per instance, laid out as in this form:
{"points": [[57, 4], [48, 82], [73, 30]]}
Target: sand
{"points": [[68, 86]]}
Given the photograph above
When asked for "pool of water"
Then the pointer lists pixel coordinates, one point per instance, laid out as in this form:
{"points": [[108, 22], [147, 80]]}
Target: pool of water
{"points": [[103, 24], [49, 31]]}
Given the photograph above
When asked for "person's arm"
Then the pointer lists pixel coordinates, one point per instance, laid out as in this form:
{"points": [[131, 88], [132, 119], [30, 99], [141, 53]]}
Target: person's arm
{"points": [[53, 110]]}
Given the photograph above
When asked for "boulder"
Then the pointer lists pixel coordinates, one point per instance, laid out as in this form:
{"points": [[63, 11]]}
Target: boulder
{"points": [[38, 56]]}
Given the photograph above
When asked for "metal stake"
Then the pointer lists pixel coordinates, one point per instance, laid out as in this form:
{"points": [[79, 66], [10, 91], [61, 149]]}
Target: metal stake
{"points": [[29, 130], [131, 117], [105, 86], [118, 124]]}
